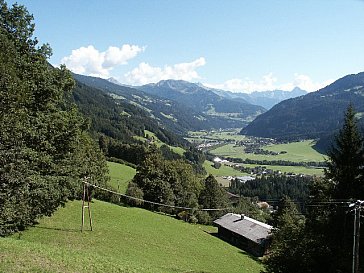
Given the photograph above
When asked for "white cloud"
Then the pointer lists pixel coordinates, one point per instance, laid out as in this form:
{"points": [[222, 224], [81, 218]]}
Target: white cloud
{"points": [[304, 82], [145, 73], [90, 61], [269, 82]]}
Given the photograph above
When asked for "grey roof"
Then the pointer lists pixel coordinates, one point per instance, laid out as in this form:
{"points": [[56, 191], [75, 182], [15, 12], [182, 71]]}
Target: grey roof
{"points": [[245, 178], [249, 228]]}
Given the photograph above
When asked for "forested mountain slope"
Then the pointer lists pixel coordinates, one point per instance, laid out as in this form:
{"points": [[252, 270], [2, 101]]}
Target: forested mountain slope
{"points": [[117, 118], [169, 114], [315, 115], [235, 111]]}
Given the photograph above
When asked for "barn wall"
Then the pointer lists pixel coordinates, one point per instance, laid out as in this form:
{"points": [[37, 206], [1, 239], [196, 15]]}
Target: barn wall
{"points": [[241, 242]]}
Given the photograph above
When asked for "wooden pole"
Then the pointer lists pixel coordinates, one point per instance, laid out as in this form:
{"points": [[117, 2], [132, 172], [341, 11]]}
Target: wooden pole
{"points": [[83, 206], [88, 206], [86, 196], [356, 238]]}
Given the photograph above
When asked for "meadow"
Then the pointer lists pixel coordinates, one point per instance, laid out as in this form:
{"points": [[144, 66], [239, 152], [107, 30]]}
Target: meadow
{"points": [[222, 171], [200, 136], [120, 175], [123, 240], [295, 151], [159, 143]]}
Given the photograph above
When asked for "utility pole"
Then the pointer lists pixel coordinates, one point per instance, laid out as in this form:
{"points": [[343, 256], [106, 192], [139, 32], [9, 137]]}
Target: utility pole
{"points": [[356, 236]]}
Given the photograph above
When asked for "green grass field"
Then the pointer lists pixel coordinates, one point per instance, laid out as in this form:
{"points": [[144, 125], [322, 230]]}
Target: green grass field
{"points": [[222, 171], [158, 142], [120, 175], [200, 136], [123, 240], [296, 152]]}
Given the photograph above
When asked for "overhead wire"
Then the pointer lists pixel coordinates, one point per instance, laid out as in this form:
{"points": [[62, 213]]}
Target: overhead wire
{"points": [[307, 204], [151, 202]]}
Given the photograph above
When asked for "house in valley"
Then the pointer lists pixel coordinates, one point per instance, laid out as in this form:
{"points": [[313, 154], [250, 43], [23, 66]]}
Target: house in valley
{"points": [[244, 232]]}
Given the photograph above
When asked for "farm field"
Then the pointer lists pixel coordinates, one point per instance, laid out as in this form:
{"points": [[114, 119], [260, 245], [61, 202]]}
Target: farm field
{"points": [[222, 171], [296, 152], [200, 136], [123, 240], [120, 175]]}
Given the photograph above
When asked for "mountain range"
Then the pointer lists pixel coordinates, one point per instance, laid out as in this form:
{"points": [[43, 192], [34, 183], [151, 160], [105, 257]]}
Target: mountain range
{"points": [[184, 109], [266, 99], [236, 112], [179, 106], [315, 115]]}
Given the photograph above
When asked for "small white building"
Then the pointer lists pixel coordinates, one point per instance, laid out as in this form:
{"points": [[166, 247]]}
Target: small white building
{"points": [[217, 160], [244, 179]]}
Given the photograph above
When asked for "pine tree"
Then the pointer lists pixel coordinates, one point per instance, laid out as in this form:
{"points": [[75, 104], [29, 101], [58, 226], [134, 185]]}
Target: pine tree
{"points": [[346, 160], [286, 253]]}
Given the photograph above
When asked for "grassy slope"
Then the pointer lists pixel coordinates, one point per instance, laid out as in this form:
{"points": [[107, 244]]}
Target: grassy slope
{"points": [[123, 240], [158, 142], [120, 175]]}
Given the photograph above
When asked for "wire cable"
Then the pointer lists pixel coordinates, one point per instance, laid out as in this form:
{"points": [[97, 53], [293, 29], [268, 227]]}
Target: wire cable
{"points": [[151, 202]]}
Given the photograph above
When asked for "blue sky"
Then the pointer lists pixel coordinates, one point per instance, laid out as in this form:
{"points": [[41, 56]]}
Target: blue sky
{"points": [[243, 45]]}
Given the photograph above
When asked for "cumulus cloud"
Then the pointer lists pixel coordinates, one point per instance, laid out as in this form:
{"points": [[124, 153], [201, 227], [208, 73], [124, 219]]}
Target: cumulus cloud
{"points": [[269, 82], [145, 73], [304, 82], [90, 61]]}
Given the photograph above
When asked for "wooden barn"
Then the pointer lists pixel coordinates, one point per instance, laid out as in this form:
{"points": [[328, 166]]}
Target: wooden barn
{"points": [[244, 232]]}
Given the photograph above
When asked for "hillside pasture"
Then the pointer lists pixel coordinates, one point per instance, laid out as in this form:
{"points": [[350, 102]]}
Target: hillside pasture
{"points": [[123, 240], [159, 143], [120, 175]]}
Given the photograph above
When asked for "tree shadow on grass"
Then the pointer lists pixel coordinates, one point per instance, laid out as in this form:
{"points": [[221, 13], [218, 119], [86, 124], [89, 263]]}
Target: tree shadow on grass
{"points": [[63, 229]]}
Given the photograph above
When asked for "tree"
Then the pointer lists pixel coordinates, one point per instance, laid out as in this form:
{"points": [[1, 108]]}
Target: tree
{"points": [[213, 196], [217, 165], [170, 182], [286, 253], [40, 131], [134, 191], [196, 158], [324, 242], [346, 160]]}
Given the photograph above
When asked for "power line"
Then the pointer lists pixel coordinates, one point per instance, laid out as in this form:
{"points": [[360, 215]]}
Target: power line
{"points": [[345, 202], [151, 202]]}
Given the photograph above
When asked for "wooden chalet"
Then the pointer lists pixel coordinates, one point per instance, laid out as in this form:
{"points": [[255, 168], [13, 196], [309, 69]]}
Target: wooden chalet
{"points": [[244, 232]]}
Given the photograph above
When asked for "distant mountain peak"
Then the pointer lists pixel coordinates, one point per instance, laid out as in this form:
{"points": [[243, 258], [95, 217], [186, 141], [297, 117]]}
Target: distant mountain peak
{"points": [[175, 84], [115, 81]]}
